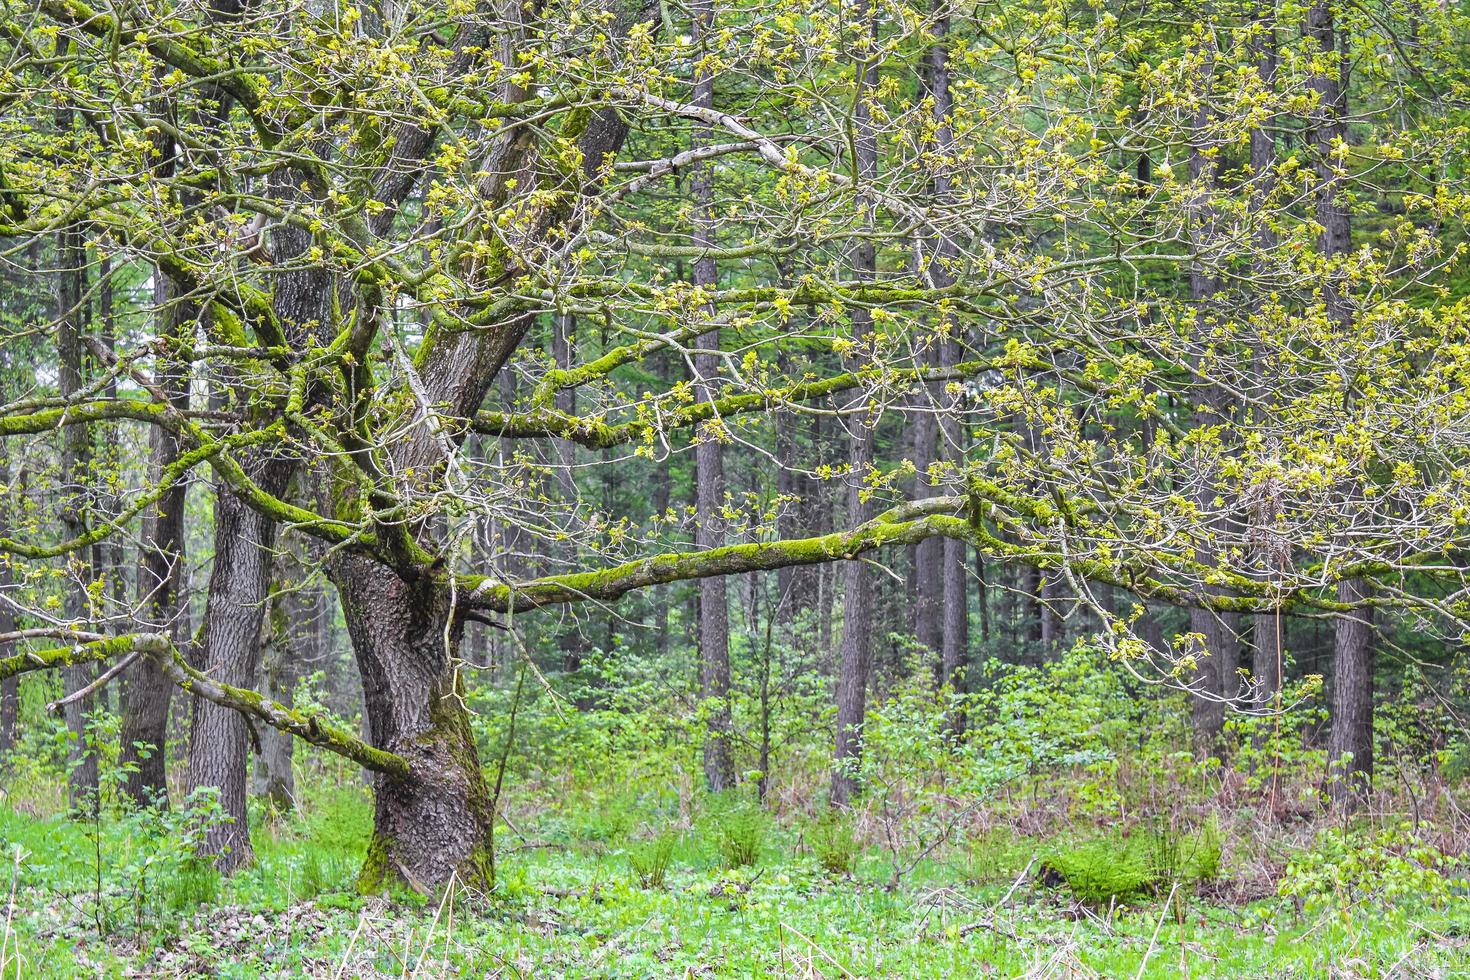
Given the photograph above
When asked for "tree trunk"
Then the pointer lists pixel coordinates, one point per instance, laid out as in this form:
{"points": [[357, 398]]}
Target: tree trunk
{"points": [[1216, 658], [855, 658], [929, 553], [1274, 554], [714, 612], [147, 692], [439, 822], [295, 641], [74, 506], [1350, 742], [239, 586]]}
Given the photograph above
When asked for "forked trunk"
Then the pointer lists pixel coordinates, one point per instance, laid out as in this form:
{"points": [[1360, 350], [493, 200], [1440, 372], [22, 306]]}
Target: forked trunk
{"points": [[438, 823]]}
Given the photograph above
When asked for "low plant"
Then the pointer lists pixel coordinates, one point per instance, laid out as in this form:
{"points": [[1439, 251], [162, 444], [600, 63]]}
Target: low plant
{"points": [[997, 855], [834, 843], [1388, 868], [1104, 871], [649, 860], [740, 830]]}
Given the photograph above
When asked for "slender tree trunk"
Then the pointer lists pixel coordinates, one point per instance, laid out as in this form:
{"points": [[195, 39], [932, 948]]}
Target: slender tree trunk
{"points": [[74, 507], [929, 553], [147, 693], [714, 612], [855, 659], [1274, 555], [439, 822], [295, 642], [563, 327], [955, 635], [1350, 742], [1033, 614], [1215, 653], [239, 587], [10, 687], [1351, 702]]}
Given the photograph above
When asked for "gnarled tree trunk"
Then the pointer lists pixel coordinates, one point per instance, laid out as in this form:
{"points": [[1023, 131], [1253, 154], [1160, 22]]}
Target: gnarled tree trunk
{"points": [[439, 822]]}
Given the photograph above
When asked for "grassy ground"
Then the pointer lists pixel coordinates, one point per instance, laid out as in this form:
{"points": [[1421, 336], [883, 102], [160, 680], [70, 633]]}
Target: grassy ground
{"points": [[570, 905]]}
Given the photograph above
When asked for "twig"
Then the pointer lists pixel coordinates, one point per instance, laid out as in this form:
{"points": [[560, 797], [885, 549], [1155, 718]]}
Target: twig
{"points": [[98, 684], [361, 918], [1157, 926], [817, 949]]}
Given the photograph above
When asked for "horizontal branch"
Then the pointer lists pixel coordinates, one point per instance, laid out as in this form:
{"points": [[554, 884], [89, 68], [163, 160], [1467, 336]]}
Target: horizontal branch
{"points": [[907, 524], [549, 422], [161, 650]]}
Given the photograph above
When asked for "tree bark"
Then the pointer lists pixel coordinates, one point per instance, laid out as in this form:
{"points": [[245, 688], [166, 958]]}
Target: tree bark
{"points": [[1350, 741], [439, 822], [147, 693], [929, 553], [854, 660], [10, 686], [74, 504], [1351, 702], [1216, 657], [239, 586], [714, 611], [295, 641], [955, 634]]}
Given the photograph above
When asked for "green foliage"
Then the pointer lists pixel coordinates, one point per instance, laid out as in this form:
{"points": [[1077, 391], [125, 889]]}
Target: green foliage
{"points": [[997, 856], [1392, 867], [1179, 855], [649, 860], [1104, 871], [834, 843], [739, 827]]}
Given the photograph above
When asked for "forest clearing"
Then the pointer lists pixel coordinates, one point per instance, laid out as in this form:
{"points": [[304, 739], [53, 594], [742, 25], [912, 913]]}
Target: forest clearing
{"points": [[802, 488]]}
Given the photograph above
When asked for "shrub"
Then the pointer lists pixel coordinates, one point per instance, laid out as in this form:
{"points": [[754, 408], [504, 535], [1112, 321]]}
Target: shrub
{"points": [[649, 860], [1395, 866], [833, 843], [997, 855], [740, 829], [1103, 871], [1177, 855]]}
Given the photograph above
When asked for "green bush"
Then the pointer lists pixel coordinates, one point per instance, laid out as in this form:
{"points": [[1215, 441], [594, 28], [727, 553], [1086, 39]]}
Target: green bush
{"points": [[1104, 871], [1392, 867], [833, 843], [1178, 855], [649, 860], [998, 855], [740, 830]]}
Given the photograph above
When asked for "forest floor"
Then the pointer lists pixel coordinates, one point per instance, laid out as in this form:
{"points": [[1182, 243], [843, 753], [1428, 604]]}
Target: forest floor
{"points": [[569, 905]]}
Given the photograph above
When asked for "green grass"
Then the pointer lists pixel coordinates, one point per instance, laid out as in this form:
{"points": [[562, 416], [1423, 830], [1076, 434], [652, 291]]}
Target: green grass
{"points": [[575, 909]]}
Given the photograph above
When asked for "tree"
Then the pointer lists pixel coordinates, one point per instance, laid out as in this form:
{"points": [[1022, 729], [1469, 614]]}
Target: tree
{"points": [[387, 209]]}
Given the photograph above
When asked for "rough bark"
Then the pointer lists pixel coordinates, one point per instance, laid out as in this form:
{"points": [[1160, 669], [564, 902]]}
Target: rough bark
{"points": [[714, 612], [1216, 656], [147, 693], [1267, 631], [928, 554], [955, 634], [1351, 703], [219, 740], [439, 822], [74, 504], [295, 642], [1350, 741], [854, 661]]}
